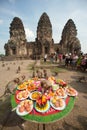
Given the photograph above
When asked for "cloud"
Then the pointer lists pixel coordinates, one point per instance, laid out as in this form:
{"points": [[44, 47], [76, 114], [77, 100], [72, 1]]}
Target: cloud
{"points": [[1, 21], [29, 34]]}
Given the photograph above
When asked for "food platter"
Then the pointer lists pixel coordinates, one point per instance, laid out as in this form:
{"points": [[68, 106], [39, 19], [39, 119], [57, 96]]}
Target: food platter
{"points": [[61, 93], [34, 95], [21, 87], [23, 95], [44, 108], [38, 105], [32, 85], [24, 107], [31, 88], [56, 105], [71, 91]]}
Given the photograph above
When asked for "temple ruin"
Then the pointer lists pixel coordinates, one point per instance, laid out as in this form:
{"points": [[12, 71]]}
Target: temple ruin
{"points": [[69, 42], [18, 45]]}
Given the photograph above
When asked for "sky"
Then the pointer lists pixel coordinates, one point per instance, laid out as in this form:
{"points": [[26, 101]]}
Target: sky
{"points": [[29, 11]]}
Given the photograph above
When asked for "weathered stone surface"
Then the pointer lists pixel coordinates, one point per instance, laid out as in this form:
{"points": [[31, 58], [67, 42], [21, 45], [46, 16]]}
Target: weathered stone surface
{"points": [[69, 41], [44, 44], [44, 28], [17, 43], [44, 35]]}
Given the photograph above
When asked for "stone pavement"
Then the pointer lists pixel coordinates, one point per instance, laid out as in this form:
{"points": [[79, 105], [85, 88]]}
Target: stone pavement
{"points": [[75, 120]]}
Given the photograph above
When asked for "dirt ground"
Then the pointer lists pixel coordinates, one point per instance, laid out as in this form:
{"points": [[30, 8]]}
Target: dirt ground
{"points": [[75, 120]]}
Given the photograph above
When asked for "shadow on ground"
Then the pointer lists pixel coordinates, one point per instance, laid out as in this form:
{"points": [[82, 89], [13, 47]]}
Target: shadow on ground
{"points": [[83, 121], [7, 117], [67, 126]]}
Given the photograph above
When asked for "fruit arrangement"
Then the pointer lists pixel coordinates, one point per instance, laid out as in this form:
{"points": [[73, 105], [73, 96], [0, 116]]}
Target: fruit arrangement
{"points": [[35, 95], [22, 87], [31, 87], [41, 101], [71, 91], [60, 92], [22, 95], [57, 102], [42, 109], [49, 94], [25, 106]]}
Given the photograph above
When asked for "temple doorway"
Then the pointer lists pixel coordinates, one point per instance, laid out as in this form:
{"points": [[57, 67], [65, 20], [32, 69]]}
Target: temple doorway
{"points": [[14, 51], [46, 50]]}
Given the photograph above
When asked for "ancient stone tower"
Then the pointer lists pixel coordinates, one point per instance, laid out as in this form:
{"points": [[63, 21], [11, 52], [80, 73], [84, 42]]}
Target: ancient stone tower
{"points": [[69, 42], [18, 46], [44, 39], [17, 43]]}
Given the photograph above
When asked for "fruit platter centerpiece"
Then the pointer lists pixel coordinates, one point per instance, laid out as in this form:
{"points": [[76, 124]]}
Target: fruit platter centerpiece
{"points": [[43, 96]]}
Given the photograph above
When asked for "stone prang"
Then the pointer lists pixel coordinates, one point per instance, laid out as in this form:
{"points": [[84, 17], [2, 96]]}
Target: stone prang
{"points": [[44, 35], [44, 28], [69, 41], [18, 46], [17, 43]]}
